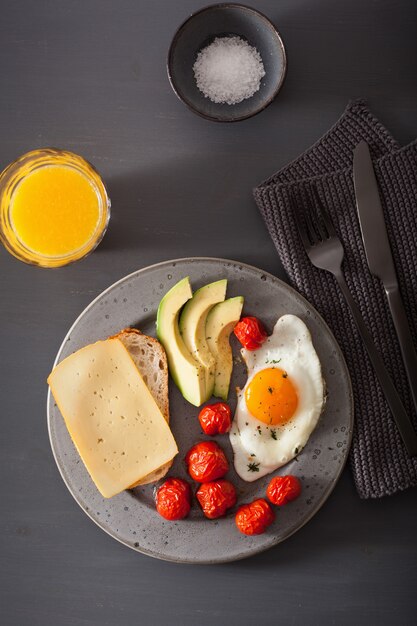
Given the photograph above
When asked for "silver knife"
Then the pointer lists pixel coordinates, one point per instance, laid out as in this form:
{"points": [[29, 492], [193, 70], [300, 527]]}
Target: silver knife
{"points": [[379, 255]]}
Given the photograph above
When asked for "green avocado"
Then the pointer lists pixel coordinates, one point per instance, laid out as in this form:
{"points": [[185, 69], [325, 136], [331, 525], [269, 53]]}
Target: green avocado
{"points": [[220, 322], [188, 374], [192, 327]]}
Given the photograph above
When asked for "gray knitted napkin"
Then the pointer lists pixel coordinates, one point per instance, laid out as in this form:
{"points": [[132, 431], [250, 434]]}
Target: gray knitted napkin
{"points": [[378, 457]]}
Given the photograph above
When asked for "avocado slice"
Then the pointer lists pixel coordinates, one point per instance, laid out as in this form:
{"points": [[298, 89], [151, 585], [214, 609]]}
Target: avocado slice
{"points": [[187, 373], [220, 322], [192, 326]]}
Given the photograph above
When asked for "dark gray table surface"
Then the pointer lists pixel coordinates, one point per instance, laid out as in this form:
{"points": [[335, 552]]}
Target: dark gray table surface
{"points": [[89, 75]]}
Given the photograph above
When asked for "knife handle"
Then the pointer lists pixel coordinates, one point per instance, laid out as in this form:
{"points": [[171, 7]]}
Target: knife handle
{"points": [[404, 337], [405, 427]]}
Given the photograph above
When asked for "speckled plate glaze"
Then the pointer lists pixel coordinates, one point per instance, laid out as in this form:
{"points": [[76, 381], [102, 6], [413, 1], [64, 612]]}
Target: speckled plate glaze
{"points": [[130, 517]]}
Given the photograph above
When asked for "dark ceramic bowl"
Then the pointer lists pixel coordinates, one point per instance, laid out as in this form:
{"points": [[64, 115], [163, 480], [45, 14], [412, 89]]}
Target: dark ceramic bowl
{"points": [[220, 20]]}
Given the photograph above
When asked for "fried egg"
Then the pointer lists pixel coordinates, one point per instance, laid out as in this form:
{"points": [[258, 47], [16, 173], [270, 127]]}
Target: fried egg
{"points": [[281, 402]]}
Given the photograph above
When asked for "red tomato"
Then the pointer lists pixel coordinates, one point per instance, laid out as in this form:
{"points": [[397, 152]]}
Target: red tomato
{"points": [[254, 518], [206, 461], [173, 499], [283, 489], [216, 419], [216, 497], [250, 332]]}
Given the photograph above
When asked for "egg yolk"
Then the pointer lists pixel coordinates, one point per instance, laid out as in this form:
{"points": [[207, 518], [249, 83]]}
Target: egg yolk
{"points": [[271, 396]]}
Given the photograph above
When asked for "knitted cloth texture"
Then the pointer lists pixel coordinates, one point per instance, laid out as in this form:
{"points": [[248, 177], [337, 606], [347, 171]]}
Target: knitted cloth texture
{"points": [[378, 457]]}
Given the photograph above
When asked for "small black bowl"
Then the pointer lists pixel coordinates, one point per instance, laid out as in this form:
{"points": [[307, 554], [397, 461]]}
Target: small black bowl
{"points": [[220, 20]]}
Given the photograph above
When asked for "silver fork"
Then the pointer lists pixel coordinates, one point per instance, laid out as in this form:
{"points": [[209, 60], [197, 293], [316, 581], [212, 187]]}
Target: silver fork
{"points": [[325, 251]]}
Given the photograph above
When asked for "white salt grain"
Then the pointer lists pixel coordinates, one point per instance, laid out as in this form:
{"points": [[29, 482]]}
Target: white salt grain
{"points": [[229, 70]]}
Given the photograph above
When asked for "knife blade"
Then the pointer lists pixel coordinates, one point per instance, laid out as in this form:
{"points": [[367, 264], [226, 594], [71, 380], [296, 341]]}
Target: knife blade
{"points": [[379, 255], [371, 217]]}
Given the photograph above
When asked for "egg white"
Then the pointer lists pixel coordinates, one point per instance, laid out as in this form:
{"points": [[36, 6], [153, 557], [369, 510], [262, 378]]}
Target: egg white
{"points": [[289, 348]]}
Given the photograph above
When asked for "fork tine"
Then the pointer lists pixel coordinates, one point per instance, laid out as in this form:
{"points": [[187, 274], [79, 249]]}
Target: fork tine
{"points": [[318, 234], [318, 221], [305, 236], [315, 234], [323, 213]]}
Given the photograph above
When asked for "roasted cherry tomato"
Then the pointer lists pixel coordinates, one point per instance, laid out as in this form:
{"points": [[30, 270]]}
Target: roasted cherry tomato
{"points": [[206, 461], [254, 518], [250, 332], [173, 499], [283, 489], [216, 497], [216, 419]]}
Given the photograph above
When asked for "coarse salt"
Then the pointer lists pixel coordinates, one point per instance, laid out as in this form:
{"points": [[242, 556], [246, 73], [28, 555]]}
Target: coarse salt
{"points": [[228, 70]]}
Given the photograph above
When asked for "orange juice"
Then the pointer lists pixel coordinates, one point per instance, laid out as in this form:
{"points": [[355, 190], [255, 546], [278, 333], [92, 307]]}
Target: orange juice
{"points": [[53, 208]]}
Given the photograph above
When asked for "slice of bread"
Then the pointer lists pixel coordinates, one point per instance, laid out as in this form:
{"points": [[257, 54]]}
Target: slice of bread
{"points": [[150, 359]]}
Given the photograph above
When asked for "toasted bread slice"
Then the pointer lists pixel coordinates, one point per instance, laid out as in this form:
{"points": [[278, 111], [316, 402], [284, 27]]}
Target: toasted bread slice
{"points": [[150, 359]]}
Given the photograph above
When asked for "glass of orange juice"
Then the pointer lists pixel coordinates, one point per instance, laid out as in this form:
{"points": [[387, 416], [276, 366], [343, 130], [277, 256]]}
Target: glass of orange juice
{"points": [[54, 207]]}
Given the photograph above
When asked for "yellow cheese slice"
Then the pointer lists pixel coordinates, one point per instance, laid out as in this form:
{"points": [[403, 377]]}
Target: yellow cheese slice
{"points": [[113, 419]]}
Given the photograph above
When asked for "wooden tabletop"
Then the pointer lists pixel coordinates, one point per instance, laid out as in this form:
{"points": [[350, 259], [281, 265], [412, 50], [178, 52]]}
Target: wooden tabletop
{"points": [[90, 76]]}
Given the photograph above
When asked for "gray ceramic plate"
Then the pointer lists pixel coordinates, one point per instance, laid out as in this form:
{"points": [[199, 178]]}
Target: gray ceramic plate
{"points": [[130, 517]]}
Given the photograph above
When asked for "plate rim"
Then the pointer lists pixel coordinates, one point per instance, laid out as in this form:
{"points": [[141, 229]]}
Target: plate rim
{"points": [[351, 413]]}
